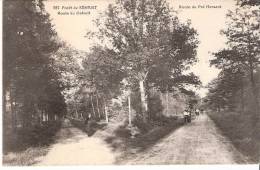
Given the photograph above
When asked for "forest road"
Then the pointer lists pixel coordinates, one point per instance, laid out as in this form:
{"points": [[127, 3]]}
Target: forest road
{"points": [[199, 142], [74, 147]]}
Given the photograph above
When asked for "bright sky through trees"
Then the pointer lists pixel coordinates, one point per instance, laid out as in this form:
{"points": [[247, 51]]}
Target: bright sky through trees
{"points": [[208, 23]]}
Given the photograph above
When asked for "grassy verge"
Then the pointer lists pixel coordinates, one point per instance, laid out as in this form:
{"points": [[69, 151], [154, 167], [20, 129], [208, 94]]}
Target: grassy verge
{"points": [[27, 157], [122, 141], [27, 145], [238, 128], [129, 141]]}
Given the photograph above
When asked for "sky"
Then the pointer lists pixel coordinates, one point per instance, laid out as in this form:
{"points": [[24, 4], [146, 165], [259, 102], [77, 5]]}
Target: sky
{"points": [[207, 21]]}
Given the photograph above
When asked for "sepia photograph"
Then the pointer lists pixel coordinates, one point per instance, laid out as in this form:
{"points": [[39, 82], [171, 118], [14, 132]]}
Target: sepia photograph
{"points": [[130, 82]]}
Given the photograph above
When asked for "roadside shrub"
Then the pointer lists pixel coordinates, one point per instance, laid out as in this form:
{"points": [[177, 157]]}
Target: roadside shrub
{"points": [[38, 135]]}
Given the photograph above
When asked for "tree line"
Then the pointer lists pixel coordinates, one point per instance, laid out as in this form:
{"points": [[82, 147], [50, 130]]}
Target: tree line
{"points": [[31, 85], [143, 49], [237, 85], [146, 47]]}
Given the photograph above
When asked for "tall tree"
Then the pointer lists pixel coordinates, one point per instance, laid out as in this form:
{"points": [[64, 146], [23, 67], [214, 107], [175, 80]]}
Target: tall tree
{"points": [[224, 88], [28, 70], [233, 73], [243, 36], [102, 76], [145, 35]]}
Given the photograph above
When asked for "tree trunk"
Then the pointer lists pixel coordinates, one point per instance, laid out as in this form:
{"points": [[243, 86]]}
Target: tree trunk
{"points": [[41, 116], [93, 108], [15, 113], [105, 108], [167, 103], [98, 106], [4, 104], [47, 117], [12, 109], [77, 114], [144, 105], [242, 98], [81, 115], [129, 111], [256, 116], [254, 89], [51, 116]]}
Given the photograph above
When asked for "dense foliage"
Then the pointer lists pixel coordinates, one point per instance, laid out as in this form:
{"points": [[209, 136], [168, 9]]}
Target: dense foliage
{"points": [[237, 86], [150, 46], [31, 87]]}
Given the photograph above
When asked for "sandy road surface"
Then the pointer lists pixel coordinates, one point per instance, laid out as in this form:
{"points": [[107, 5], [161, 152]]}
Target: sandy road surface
{"points": [[199, 142], [75, 148]]}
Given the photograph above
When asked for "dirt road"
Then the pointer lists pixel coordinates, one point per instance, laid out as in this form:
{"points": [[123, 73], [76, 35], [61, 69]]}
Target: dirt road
{"points": [[74, 147], [199, 142]]}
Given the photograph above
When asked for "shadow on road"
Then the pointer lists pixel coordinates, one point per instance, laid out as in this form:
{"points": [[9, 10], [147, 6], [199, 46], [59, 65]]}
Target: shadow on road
{"points": [[91, 128], [121, 139]]}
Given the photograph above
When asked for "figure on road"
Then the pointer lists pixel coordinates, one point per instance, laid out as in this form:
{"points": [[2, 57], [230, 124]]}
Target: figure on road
{"points": [[186, 116], [197, 112]]}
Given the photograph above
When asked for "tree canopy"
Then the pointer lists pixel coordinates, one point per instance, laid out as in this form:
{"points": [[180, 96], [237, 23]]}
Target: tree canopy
{"points": [[149, 43], [30, 78], [239, 61]]}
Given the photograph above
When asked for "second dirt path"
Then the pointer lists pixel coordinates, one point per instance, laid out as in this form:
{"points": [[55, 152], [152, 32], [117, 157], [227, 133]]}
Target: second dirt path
{"points": [[199, 142]]}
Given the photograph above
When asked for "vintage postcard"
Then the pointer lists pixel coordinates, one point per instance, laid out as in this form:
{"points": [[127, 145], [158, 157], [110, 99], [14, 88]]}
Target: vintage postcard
{"points": [[131, 82]]}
